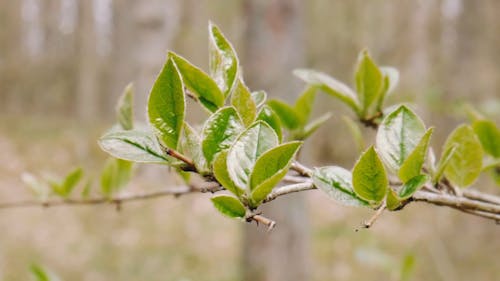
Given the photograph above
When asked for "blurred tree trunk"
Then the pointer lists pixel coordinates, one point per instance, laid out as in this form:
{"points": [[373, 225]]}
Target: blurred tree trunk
{"points": [[273, 47]]}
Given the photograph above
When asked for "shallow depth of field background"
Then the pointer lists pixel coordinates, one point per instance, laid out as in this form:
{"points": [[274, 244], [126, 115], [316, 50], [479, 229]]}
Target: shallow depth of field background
{"points": [[63, 63]]}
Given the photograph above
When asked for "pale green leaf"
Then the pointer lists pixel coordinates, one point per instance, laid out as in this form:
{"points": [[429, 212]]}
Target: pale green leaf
{"points": [[443, 162], [41, 274], [115, 175], [259, 98], [465, 164], [247, 148], [489, 136], [190, 146], [369, 80], [392, 200], [223, 61], [369, 178], [133, 145], [270, 168], [166, 105], [412, 166], [336, 182], [310, 128], [222, 175], [70, 182], [229, 206], [124, 108], [199, 83], [268, 115], [398, 135], [242, 100], [37, 187], [219, 132], [304, 104], [330, 86], [412, 185], [289, 118], [391, 79]]}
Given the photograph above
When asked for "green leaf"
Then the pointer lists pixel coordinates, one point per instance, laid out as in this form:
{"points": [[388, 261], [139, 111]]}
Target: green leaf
{"points": [[412, 166], [391, 79], [407, 268], [336, 182], [489, 136], [229, 206], [412, 185], [199, 83], [304, 104], [124, 108], [219, 132], [268, 115], [223, 61], [392, 200], [190, 145], [166, 105], [369, 177], [369, 80], [259, 98], [115, 175], [270, 168], [443, 162], [398, 135], [356, 133], [70, 182], [247, 148], [41, 274], [222, 175], [465, 164], [289, 118], [310, 128], [133, 145], [330, 86], [242, 100]]}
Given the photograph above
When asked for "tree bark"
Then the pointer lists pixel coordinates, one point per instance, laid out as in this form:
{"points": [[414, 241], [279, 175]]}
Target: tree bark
{"points": [[273, 47]]}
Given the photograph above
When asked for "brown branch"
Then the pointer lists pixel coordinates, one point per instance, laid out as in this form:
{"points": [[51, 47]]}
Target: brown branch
{"points": [[369, 223], [190, 164], [259, 218]]}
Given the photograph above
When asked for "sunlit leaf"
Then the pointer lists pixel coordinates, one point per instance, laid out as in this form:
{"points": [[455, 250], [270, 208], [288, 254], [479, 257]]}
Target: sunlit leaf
{"points": [[115, 175], [222, 175], [289, 118], [369, 178], [247, 148], [369, 80], [70, 182], [412, 166], [466, 163], [270, 168], [124, 108], [223, 61], [336, 182], [304, 104], [398, 135], [166, 105], [219, 132], [259, 97], [242, 100], [199, 83], [489, 136], [443, 162], [229, 206], [268, 115], [412, 185], [190, 146]]}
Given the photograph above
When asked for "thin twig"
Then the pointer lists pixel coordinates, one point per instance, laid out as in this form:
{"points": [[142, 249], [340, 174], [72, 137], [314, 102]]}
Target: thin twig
{"points": [[259, 218], [301, 169], [287, 189], [369, 223]]}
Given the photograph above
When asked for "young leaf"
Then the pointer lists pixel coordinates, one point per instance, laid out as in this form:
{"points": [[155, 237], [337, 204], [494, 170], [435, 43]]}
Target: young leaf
{"points": [[356, 133], [41, 274], [166, 105], [199, 83], [133, 145], [465, 164], [242, 100], [412, 185], [190, 145], [229, 206], [310, 128], [489, 135], [336, 182], [124, 108], [223, 61], [247, 148], [391, 79], [398, 135], [288, 116], [115, 175], [39, 189], [443, 162], [70, 182], [369, 177], [219, 132], [392, 200], [270, 168], [304, 104], [369, 80], [259, 98], [267, 115], [222, 175], [412, 166], [330, 86]]}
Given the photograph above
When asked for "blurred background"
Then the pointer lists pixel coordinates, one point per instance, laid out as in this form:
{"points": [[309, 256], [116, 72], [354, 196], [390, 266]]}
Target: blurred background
{"points": [[63, 63]]}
